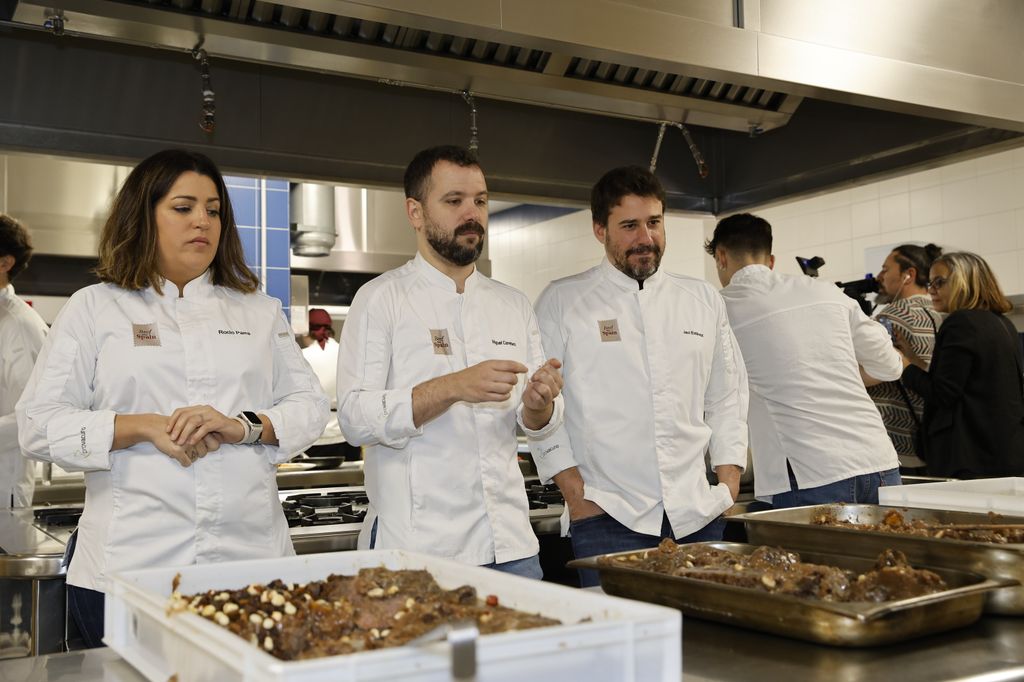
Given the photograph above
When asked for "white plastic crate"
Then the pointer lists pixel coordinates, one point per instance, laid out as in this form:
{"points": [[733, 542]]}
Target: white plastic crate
{"points": [[1000, 495], [624, 641]]}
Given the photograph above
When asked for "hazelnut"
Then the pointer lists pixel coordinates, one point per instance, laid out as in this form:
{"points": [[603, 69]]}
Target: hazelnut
{"points": [[375, 593], [268, 623], [290, 609], [208, 610], [268, 643], [392, 590], [221, 619], [230, 607]]}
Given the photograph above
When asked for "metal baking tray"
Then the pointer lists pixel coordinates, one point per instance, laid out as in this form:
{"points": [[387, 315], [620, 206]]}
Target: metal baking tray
{"points": [[793, 528], [850, 624]]}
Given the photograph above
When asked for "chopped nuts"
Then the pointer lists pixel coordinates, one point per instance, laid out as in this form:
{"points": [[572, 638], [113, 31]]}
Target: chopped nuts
{"points": [[375, 593], [768, 581], [223, 596], [277, 599], [385, 632], [290, 609], [255, 619], [268, 623], [268, 643], [221, 619], [375, 633], [392, 590], [276, 615], [252, 591], [410, 602], [399, 615], [230, 607], [486, 617], [209, 610], [265, 596]]}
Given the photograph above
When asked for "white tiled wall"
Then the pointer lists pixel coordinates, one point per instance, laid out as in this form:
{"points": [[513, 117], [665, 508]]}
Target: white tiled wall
{"points": [[975, 205], [529, 257]]}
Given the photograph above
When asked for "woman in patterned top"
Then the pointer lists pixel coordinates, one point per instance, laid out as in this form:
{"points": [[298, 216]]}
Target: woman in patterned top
{"points": [[903, 280]]}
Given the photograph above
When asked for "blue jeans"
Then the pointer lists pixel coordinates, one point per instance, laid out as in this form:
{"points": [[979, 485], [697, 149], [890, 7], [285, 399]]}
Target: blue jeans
{"points": [[602, 534], [861, 489], [528, 567]]}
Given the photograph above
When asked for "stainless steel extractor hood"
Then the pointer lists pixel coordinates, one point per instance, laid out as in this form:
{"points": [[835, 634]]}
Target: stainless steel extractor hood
{"points": [[739, 67], [735, 64]]}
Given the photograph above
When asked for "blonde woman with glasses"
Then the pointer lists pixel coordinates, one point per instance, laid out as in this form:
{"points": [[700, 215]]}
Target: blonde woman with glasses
{"points": [[973, 424]]}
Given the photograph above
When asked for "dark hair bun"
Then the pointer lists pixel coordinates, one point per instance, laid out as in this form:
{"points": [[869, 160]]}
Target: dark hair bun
{"points": [[933, 251]]}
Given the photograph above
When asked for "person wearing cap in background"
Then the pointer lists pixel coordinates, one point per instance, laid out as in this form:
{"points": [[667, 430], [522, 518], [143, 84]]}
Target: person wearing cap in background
{"points": [[322, 356], [22, 332]]}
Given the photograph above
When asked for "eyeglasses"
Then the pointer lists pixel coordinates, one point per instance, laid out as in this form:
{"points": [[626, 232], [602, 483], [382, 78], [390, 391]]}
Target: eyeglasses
{"points": [[937, 283]]}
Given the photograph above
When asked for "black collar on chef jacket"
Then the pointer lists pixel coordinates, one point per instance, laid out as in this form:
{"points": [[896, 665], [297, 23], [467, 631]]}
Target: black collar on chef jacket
{"points": [[627, 283]]}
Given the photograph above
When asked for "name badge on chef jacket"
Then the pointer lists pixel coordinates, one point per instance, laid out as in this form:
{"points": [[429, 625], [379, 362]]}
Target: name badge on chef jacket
{"points": [[442, 346], [146, 334], [609, 330]]}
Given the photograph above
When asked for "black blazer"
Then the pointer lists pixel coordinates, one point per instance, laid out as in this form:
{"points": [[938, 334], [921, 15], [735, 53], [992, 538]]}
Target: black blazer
{"points": [[973, 424]]}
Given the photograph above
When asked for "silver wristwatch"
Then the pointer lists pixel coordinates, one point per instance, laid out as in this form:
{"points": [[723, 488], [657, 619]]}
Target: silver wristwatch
{"points": [[252, 425]]}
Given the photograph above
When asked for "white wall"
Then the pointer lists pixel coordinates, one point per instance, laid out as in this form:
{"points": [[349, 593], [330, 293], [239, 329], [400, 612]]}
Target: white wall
{"points": [[531, 256], [975, 205]]}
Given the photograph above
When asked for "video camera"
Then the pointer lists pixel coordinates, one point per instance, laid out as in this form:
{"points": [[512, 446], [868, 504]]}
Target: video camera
{"points": [[857, 289]]}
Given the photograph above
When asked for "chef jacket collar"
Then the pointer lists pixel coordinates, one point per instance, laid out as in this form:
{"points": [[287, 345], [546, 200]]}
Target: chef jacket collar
{"points": [[200, 287], [438, 279], [624, 281], [751, 274], [7, 290]]}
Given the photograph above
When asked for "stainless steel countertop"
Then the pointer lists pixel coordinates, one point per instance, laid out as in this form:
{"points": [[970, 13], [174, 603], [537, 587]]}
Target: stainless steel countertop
{"points": [[992, 650]]}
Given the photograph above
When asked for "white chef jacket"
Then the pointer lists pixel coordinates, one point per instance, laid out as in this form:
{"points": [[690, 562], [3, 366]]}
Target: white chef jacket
{"points": [[802, 340], [113, 351], [451, 487], [21, 336], [324, 362], [653, 379]]}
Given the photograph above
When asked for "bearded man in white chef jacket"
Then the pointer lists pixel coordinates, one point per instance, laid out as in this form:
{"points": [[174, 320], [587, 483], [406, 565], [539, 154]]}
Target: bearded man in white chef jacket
{"points": [[653, 379], [815, 435], [22, 332], [437, 363]]}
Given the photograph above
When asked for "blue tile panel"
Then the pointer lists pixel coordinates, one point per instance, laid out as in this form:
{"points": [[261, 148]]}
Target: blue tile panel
{"points": [[244, 194], [250, 237], [279, 284], [277, 209], [245, 203], [278, 246]]}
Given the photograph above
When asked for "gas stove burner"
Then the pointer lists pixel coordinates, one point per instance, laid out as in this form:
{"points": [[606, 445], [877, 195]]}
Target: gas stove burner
{"points": [[540, 496], [325, 508], [58, 516], [336, 499]]}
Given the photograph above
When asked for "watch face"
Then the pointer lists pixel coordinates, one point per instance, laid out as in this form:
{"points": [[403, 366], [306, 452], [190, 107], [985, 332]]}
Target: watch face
{"points": [[253, 419]]}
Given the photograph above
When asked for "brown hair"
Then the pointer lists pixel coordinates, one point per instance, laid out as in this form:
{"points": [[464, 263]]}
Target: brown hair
{"points": [[14, 241], [619, 183], [972, 284], [128, 244]]}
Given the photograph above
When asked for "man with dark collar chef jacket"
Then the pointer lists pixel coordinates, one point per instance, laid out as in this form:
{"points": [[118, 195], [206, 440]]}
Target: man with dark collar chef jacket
{"points": [[436, 361], [653, 379]]}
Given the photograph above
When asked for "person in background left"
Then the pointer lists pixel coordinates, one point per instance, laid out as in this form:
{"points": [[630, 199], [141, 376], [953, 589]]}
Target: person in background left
{"points": [[21, 335], [174, 357], [322, 356]]}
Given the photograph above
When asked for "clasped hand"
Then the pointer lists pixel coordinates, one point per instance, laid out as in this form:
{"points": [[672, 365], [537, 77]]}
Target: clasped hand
{"points": [[190, 433]]}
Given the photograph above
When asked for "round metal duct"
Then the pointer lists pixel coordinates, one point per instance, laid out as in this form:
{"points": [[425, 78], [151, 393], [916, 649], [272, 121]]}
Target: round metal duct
{"points": [[312, 210]]}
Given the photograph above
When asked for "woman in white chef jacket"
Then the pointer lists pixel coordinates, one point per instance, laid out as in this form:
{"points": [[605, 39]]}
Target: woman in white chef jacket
{"points": [[174, 385]]}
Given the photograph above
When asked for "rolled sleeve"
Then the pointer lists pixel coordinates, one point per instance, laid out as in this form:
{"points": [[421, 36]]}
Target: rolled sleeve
{"points": [[301, 409], [55, 420], [368, 411], [726, 399], [873, 347]]}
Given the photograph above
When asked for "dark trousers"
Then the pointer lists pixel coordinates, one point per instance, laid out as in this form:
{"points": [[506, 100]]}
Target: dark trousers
{"points": [[85, 606], [602, 534], [861, 489]]}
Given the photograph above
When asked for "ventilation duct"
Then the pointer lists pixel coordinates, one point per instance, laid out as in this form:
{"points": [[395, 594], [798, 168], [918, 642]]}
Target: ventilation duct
{"points": [[312, 209]]}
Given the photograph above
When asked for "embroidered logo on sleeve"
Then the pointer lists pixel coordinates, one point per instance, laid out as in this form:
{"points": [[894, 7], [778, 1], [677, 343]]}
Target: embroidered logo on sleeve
{"points": [[146, 334], [442, 345], [609, 330]]}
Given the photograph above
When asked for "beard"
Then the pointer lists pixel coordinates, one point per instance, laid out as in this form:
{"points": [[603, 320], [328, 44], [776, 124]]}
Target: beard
{"points": [[448, 246], [639, 271]]}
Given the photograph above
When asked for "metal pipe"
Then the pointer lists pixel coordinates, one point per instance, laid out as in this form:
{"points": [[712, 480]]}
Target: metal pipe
{"points": [[474, 140], [657, 146], [207, 122]]}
